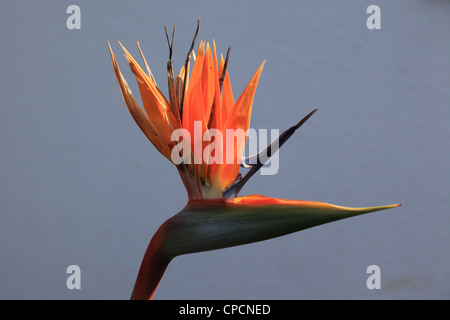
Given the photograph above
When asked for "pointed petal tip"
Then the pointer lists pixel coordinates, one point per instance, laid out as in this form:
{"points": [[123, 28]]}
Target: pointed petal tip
{"points": [[110, 50], [304, 119], [391, 206], [120, 43], [262, 64], [377, 208]]}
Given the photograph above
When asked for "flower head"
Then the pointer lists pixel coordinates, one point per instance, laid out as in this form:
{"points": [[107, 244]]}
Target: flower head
{"points": [[200, 111]]}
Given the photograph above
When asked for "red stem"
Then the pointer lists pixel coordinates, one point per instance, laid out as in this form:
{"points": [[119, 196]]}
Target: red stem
{"points": [[152, 268]]}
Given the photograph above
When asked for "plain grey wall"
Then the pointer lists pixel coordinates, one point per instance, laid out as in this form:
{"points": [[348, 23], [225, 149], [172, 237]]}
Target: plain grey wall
{"points": [[80, 184]]}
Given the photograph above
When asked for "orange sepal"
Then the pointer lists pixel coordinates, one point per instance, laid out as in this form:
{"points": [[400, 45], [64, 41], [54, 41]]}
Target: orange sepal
{"points": [[227, 93], [151, 132], [155, 104], [239, 119]]}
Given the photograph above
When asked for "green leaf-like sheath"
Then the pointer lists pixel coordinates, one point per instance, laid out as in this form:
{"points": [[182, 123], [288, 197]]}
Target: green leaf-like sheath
{"points": [[215, 224], [201, 228]]}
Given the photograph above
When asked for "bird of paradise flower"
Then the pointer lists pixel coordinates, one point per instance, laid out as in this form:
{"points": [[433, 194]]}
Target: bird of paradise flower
{"points": [[214, 217]]}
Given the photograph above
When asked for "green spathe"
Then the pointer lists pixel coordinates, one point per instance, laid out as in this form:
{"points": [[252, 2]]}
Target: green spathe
{"points": [[197, 229]]}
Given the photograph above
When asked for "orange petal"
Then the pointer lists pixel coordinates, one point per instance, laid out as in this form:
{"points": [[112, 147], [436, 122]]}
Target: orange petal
{"points": [[193, 109], [239, 119], [197, 69], [214, 170], [227, 93], [150, 74], [138, 114], [155, 104], [208, 82], [243, 107]]}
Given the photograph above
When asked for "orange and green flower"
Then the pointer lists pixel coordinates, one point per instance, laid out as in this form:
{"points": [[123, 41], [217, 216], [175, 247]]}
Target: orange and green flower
{"points": [[215, 216]]}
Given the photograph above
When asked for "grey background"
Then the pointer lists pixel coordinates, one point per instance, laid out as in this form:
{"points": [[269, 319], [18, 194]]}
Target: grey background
{"points": [[80, 184]]}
